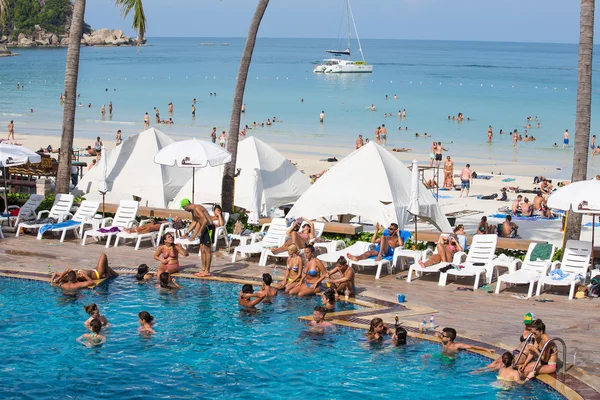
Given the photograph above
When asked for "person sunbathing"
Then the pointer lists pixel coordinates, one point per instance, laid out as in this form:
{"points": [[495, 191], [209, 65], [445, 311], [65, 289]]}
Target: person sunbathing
{"points": [[447, 246], [526, 208], [538, 202], [484, 228], [315, 273], [516, 207], [87, 276], [509, 228], [546, 187], [390, 239], [503, 195], [401, 150], [300, 234], [152, 226]]}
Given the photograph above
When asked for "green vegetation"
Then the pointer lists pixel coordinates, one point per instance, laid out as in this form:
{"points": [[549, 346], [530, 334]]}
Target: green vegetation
{"points": [[22, 15]]}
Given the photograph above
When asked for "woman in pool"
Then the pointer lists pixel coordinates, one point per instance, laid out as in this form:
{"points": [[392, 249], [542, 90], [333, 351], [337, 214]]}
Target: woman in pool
{"points": [[346, 282], [315, 272], [143, 273], [94, 338], [549, 358], [146, 323], [94, 313], [168, 255], [101, 271], [328, 300], [507, 372], [166, 281], [377, 331], [293, 273]]}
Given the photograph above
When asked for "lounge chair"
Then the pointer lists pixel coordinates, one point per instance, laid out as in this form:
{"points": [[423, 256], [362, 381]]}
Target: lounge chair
{"points": [[372, 262], [435, 269], [83, 215], [574, 267], [274, 236], [319, 226], [531, 269], [59, 211], [154, 237], [332, 257], [27, 210], [124, 218], [479, 261]]}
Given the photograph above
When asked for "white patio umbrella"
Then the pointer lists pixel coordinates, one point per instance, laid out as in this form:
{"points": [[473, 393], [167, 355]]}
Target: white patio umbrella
{"points": [[104, 168], [193, 154], [413, 206], [12, 155]]}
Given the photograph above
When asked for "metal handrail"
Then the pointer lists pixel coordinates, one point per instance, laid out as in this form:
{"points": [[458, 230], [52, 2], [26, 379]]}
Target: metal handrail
{"points": [[522, 350], [544, 349]]}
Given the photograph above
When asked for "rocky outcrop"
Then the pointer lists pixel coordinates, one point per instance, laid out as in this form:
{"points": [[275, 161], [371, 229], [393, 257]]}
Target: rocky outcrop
{"points": [[41, 38], [4, 52]]}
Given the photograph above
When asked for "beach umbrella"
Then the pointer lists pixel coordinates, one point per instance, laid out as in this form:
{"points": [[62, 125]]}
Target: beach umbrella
{"points": [[103, 167], [193, 154], [413, 205], [13, 155]]}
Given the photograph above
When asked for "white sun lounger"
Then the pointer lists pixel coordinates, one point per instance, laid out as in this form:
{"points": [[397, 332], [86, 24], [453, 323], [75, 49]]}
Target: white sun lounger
{"points": [[530, 272], [219, 233], [319, 226], [274, 236], [575, 262], [84, 213], [27, 210], [60, 209], [435, 269], [482, 253], [124, 218], [154, 237]]}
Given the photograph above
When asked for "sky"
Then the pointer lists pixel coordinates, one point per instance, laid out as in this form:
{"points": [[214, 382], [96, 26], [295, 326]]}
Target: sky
{"points": [[553, 21]]}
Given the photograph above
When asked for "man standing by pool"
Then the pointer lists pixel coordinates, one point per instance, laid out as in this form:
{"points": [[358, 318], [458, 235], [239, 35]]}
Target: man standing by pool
{"points": [[466, 178], [203, 227]]}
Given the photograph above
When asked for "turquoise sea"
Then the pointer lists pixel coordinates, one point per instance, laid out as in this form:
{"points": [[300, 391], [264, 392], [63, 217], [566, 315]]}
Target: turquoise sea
{"points": [[497, 84]]}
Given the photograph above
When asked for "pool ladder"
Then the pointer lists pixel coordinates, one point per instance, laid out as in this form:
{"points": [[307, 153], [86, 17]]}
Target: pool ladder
{"points": [[564, 347]]}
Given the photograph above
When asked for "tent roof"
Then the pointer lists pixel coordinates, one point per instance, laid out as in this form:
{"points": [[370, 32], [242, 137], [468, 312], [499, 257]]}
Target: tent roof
{"points": [[371, 183], [131, 171]]}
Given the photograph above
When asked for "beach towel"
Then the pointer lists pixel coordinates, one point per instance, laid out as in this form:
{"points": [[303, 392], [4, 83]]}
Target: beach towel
{"points": [[597, 224], [405, 235], [113, 229], [520, 217], [40, 221], [557, 275], [541, 251], [508, 179], [49, 227], [440, 196]]}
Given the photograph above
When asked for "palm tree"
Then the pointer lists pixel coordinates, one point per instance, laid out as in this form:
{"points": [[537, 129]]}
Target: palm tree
{"points": [[63, 177], [227, 188], [583, 108]]}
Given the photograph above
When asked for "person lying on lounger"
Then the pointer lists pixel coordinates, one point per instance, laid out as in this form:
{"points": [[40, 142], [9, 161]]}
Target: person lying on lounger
{"points": [[447, 246], [390, 239]]}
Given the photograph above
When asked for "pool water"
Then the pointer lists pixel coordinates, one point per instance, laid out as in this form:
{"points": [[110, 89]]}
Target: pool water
{"points": [[205, 347]]}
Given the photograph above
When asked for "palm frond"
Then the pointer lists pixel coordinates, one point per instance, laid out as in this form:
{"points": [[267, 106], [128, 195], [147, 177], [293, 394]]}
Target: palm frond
{"points": [[139, 18]]}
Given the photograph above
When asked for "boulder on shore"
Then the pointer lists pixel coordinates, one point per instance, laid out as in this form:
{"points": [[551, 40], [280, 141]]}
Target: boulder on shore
{"points": [[4, 51], [100, 37]]}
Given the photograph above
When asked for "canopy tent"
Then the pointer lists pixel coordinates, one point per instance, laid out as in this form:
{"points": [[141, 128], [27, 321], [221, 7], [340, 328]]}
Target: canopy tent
{"points": [[373, 184], [266, 180], [131, 171], [574, 194]]}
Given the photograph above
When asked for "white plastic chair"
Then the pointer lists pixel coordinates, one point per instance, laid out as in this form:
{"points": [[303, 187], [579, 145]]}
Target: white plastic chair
{"points": [[221, 232], [319, 227], [575, 262], [482, 253], [154, 237], [124, 218], [435, 269], [273, 236], [530, 272], [84, 213], [362, 247], [60, 209], [28, 209]]}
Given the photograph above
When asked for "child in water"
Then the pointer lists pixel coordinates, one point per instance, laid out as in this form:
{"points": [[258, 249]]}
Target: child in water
{"points": [[146, 323], [166, 281], [94, 338]]}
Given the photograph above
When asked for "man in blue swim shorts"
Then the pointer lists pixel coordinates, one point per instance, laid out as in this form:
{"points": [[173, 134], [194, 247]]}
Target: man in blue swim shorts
{"points": [[386, 244], [466, 177]]}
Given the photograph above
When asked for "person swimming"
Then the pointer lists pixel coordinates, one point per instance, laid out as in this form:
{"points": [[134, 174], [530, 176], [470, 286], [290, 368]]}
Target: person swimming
{"points": [[146, 323], [450, 348], [318, 324], [166, 281], [94, 313], [143, 273], [328, 299], [94, 338], [245, 297], [377, 331], [507, 372]]}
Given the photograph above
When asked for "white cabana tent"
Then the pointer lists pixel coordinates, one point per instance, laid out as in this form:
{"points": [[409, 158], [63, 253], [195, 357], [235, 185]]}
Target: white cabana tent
{"points": [[267, 180], [371, 183], [131, 171]]}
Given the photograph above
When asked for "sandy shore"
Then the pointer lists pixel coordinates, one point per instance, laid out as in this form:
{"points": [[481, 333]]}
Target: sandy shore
{"points": [[309, 160]]}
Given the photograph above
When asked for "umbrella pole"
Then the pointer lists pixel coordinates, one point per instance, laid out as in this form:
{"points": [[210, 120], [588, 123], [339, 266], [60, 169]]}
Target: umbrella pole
{"points": [[5, 198], [415, 241], [593, 231], [103, 203], [193, 183]]}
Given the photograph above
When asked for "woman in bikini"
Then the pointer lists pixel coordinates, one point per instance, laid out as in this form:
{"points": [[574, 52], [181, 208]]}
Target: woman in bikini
{"points": [[293, 273], [448, 172], [101, 271], [548, 359], [300, 238], [168, 255], [315, 272]]}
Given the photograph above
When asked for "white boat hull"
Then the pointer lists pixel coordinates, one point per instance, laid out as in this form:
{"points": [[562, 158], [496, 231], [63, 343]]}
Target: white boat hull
{"points": [[349, 69]]}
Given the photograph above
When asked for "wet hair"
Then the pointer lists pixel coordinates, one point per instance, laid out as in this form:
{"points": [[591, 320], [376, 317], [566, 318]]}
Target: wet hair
{"points": [[539, 326], [310, 248], [450, 333], [401, 334], [342, 261], [164, 279], [292, 249], [96, 325], [71, 276], [141, 272], [329, 295], [508, 218], [267, 279], [374, 322], [247, 288], [321, 309], [146, 317], [91, 308], [507, 359]]}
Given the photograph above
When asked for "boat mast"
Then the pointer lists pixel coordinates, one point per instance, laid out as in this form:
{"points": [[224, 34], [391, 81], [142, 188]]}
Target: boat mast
{"points": [[349, 31], [351, 15]]}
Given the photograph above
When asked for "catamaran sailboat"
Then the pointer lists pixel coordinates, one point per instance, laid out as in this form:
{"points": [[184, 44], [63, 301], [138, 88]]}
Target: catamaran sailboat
{"points": [[340, 65]]}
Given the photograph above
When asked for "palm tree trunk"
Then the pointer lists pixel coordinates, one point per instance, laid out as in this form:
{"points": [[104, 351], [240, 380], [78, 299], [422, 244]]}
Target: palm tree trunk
{"points": [[227, 188], [583, 108], [63, 178]]}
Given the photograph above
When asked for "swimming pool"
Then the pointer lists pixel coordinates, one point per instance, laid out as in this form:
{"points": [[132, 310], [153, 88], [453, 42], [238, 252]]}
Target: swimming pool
{"points": [[205, 347]]}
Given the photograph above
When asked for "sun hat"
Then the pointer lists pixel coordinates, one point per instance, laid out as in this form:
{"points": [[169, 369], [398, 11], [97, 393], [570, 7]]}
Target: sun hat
{"points": [[529, 318], [184, 203]]}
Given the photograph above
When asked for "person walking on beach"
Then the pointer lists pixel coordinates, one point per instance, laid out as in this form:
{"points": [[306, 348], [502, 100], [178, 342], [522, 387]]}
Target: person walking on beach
{"points": [[322, 117], [146, 121], [466, 178], [11, 130], [490, 134], [566, 139], [213, 135], [223, 140], [383, 135], [359, 142], [438, 153]]}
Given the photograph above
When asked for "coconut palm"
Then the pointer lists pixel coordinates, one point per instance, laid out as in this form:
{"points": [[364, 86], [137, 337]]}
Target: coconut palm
{"points": [[227, 188], [63, 177], [583, 107]]}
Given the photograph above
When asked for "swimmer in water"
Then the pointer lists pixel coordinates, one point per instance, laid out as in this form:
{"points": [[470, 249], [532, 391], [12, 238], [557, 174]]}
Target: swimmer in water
{"points": [[94, 338], [245, 297], [266, 290], [318, 323], [507, 372], [450, 348], [377, 331], [94, 313], [146, 323], [166, 281], [143, 274], [328, 300]]}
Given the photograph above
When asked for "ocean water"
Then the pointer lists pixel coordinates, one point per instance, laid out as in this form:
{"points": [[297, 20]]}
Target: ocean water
{"points": [[205, 347], [497, 84]]}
